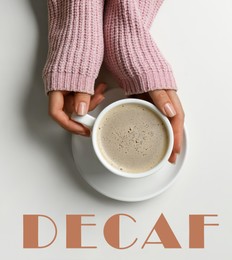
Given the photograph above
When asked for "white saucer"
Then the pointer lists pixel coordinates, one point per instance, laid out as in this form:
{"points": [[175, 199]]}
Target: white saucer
{"points": [[117, 187]]}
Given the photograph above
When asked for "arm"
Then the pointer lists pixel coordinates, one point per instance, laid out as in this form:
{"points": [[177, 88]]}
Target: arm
{"points": [[74, 58], [130, 52], [76, 45]]}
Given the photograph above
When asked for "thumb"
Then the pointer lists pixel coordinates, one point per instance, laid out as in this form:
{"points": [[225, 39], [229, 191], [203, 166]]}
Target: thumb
{"points": [[163, 102], [81, 103]]}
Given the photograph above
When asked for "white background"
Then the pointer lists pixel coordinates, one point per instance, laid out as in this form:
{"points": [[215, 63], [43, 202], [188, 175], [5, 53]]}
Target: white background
{"points": [[37, 172]]}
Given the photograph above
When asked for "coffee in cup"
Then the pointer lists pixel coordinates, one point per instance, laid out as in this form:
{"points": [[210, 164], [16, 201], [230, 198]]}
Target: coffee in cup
{"points": [[132, 138]]}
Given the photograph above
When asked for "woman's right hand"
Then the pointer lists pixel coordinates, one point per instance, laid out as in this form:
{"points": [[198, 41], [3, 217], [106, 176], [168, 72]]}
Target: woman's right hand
{"points": [[168, 102], [63, 103]]}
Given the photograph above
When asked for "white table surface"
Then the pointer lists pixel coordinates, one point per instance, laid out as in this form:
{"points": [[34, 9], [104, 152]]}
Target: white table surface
{"points": [[38, 175]]}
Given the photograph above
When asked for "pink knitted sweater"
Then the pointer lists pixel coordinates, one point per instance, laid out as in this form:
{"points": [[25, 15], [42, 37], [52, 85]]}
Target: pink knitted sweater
{"points": [[85, 33]]}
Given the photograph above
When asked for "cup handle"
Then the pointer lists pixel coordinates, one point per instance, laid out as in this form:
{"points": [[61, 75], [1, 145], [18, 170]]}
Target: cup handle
{"points": [[86, 120]]}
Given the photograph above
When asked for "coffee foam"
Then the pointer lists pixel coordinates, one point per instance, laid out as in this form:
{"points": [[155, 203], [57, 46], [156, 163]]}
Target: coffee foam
{"points": [[132, 138]]}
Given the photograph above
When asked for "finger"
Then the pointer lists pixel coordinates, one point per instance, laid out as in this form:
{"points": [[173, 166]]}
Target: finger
{"points": [[98, 96], [172, 158], [177, 122], [178, 128], [63, 120], [100, 89], [56, 103], [81, 103], [175, 101], [95, 102], [163, 102]]}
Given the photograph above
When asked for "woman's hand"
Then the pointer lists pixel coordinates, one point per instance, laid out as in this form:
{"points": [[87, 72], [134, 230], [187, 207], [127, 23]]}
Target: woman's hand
{"points": [[169, 104], [63, 103]]}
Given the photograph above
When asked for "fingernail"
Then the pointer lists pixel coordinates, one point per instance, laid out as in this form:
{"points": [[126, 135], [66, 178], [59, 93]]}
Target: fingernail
{"points": [[169, 110], [82, 109]]}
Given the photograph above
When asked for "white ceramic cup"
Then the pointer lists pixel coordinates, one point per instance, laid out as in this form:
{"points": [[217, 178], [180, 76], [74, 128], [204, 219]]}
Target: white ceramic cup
{"points": [[93, 123]]}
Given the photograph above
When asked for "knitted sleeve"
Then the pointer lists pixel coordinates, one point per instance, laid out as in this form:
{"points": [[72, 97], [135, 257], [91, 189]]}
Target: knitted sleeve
{"points": [[130, 51], [76, 45]]}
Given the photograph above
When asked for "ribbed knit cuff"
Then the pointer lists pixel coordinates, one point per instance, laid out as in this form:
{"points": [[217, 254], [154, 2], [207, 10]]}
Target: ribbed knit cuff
{"points": [[68, 82], [149, 81]]}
